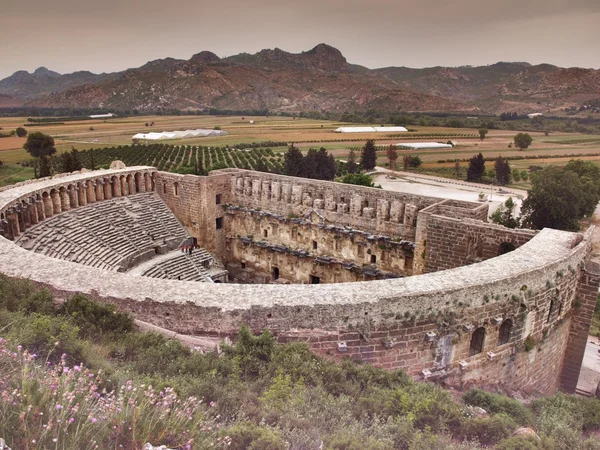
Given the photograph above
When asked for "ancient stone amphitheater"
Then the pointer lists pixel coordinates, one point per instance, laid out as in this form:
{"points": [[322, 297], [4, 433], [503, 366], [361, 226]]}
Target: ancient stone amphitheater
{"points": [[393, 279]]}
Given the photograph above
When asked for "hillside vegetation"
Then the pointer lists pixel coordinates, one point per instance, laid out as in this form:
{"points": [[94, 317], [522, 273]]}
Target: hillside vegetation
{"points": [[79, 376]]}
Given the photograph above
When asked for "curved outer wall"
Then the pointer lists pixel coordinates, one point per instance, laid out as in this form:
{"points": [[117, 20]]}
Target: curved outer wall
{"points": [[422, 324]]}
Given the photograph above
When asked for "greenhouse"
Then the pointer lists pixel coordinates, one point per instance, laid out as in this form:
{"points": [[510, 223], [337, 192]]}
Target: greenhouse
{"points": [[371, 130], [179, 134], [421, 145]]}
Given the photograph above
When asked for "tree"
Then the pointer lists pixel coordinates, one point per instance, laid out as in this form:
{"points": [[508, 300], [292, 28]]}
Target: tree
{"points": [[351, 165], [482, 133], [476, 168], [392, 155], [412, 161], [589, 175], [309, 166], [368, 157], [516, 175], [69, 161], [555, 200], [359, 179], [524, 175], [325, 165], [523, 140], [502, 169], [292, 162], [457, 168], [44, 168], [504, 214], [39, 145], [21, 132], [92, 161]]}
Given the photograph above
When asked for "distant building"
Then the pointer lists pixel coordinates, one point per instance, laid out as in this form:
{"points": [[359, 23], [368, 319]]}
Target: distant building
{"points": [[371, 130], [421, 145], [102, 116], [532, 115], [179, 134]]}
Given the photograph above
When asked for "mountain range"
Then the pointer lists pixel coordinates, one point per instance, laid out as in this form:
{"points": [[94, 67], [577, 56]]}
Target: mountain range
{"points": [[319, 79]]}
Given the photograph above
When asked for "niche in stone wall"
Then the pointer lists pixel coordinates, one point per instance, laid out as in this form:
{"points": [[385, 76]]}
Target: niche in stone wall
{"points": [[506, 247], [505, 332], [477, 341]]}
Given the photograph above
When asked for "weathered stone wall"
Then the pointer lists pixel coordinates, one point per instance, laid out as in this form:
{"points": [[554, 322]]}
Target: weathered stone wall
{"points": [[255, 262], [193, 200], [423, 324], [450, 242], [369, 209], [316, 239]]}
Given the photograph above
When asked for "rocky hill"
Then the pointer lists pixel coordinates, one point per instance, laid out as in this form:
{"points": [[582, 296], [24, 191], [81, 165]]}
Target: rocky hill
{"points": [[500, 87], [319, 79]]}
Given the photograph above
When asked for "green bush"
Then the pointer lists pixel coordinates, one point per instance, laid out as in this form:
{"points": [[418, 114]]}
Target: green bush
{"points": [[48, 337], [495, 404], [350, 441], [247, 436], [487, 430], [566, 411], [95, 319], [521, 443]]}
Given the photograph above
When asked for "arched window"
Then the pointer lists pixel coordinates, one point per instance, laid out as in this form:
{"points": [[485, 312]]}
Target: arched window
{"points": [[505, 330], [164, 187], [477, 341], [176, 188], [506, 247], [553, 306]]}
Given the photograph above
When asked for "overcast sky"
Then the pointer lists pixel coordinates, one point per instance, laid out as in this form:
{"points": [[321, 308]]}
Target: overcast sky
{"points": [[112, 35]]}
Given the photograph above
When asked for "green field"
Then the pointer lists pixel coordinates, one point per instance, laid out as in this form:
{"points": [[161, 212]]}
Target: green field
{"points": [[557, 148]]}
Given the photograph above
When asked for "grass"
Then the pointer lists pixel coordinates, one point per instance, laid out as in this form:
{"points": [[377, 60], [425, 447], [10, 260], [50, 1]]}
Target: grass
{"points": [[78, 376], [11, 174], [118, 131]]}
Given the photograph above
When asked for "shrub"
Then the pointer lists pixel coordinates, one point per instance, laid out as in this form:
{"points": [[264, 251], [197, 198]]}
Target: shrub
{"points": [[247, 436], [95, 319], [48, 337], [521, 443], [495, 404], [76, 413], [487, 430], [529, 343], [40, 302]]}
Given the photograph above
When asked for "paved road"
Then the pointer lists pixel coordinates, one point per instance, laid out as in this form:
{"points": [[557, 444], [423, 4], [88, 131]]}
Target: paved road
{"points": [[445, 188]]}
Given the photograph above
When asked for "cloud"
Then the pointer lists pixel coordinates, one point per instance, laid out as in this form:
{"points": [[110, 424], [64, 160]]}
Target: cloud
{"points": [[68, 35]]}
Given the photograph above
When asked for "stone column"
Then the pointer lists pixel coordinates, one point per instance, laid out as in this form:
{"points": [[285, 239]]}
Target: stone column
{"points": [[13, 223], [23, 212], [82, 194], [64, 200], [73, 196], [91, 191], [33, 211], [124, 186], [99, 190], [48, 206], [131, 184], [56, 204], [41, 213], [107, 189]]}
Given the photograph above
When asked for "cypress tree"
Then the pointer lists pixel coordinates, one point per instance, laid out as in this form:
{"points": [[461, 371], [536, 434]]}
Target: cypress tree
{"points": [[368, 157], [476, 168], [502, 169]]}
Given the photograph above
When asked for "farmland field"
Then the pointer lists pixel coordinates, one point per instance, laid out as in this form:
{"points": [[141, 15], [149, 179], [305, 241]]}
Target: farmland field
{"points": [[213, 152]]}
